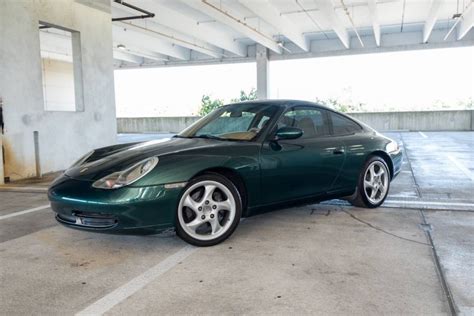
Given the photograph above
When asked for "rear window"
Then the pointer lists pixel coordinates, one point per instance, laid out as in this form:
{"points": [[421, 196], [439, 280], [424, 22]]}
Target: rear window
{"points": [[343, 126]]}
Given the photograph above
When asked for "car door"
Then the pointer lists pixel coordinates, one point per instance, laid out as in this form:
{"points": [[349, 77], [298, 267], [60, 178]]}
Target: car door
{"points": [[301, 167], [351, 134]]}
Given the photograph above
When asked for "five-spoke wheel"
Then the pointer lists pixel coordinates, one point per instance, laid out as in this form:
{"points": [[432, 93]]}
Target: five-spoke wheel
{"points": [[376, 182], [373, 184], [209, 210]]}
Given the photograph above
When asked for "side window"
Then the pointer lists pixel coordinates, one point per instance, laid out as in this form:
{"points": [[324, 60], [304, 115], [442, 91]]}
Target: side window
{"points": [[343, 126], [312, 121]]}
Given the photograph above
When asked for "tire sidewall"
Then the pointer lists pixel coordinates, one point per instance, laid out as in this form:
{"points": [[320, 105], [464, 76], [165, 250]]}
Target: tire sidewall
{"points": [[361, 182], [238, 212]]}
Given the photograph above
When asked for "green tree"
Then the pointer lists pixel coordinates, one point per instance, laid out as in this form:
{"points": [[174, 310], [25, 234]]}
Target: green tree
{"points": [[208, 105], [252, 95], [340, 106]]}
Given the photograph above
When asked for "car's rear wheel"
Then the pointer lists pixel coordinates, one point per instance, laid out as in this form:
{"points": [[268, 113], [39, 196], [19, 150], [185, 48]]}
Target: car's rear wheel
{"points": [[373, 184], [209, 210]]}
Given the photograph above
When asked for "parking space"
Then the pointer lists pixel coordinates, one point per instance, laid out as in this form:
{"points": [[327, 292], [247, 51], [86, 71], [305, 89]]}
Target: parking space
{"points": [[442, 164], [325, 258]]}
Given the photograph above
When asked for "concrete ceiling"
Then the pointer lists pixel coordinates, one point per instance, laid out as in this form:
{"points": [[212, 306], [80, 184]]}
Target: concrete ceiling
{"points": [[184, 32]]}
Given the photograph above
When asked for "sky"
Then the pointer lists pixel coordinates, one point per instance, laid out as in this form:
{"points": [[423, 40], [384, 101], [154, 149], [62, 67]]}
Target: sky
{"points": [[411, 80]]}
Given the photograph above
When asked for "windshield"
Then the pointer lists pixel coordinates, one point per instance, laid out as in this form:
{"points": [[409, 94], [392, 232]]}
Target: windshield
{"points": [[233, 122]]}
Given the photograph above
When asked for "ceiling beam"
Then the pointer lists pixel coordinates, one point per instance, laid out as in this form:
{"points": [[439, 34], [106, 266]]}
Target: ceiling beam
{"points": [[146, 54], [236, 23], [467, 21], [265, 10], [327, 9], [431, 19], [124, 56], [129, 36], [159, 31], [374, 15], [184, 24]]}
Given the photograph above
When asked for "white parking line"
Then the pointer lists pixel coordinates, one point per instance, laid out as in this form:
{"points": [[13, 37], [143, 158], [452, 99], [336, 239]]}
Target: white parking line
{"points": [[423, 134], [110, 300], [7, 188], [428, 203], [39, 208], [461, 167]]}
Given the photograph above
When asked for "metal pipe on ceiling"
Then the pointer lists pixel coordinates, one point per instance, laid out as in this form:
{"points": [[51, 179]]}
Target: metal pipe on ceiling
{"points": [[346, 10], [146, 15]]}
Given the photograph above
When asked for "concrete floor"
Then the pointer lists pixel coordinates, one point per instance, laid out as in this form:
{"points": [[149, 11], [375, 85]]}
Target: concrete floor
{"points": [[328, 258]]}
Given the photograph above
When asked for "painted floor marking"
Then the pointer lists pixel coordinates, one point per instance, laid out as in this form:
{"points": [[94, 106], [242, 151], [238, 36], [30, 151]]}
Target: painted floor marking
{"points": [[39, 208], [28, 189], [423, 134], [427, 204], [128, 289], [461, 167]]}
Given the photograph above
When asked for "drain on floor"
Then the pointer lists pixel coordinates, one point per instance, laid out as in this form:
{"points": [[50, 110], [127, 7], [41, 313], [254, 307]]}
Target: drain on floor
{"points": [[426, 227]]}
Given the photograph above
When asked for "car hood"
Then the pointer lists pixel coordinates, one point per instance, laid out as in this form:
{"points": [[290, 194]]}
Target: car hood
{"points": [[117, 158]]}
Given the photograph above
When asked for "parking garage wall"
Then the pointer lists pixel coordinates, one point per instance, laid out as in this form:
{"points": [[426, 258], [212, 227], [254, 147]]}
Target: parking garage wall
{"points": [[63, 136], [381, 121]]}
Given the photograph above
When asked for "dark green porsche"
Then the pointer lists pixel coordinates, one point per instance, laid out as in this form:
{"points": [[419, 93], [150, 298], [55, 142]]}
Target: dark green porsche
{"points": [[238, 161]]}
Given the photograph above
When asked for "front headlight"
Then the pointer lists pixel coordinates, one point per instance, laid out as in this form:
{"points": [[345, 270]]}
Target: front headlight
{"points": [[128, 176], [392, 147]]}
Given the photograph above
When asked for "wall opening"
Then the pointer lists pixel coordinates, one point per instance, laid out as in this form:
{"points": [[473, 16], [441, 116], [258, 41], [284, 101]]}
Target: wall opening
{"points": [[61, 68]]}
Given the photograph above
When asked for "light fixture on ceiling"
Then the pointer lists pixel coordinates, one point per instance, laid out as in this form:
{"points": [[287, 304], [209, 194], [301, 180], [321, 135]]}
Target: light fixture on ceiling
{"points": [[281, 44], [121, 46]]}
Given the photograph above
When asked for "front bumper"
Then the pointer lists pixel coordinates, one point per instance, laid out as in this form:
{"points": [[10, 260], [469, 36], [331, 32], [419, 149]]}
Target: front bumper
{"points": [[128, 210]]}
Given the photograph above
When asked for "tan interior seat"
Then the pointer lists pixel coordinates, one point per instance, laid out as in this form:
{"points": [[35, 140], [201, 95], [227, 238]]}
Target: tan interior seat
{"points": [[307, 125]]}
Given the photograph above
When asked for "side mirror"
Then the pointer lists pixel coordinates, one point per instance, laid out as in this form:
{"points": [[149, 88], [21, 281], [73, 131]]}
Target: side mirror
{"points": [[288, 133]]}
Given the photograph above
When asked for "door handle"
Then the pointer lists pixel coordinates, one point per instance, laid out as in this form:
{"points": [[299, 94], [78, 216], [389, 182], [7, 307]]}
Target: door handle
{"points": [[338, 151]]}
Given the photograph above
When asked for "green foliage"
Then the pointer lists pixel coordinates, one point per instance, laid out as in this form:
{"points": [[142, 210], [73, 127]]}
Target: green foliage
{"points": [[462, 105], [208, 105], [252, 95], [469, 104], [341, 106]]}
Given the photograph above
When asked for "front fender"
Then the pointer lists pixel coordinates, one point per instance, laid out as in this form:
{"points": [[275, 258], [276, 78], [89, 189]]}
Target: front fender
{"points": [[182, 168]]}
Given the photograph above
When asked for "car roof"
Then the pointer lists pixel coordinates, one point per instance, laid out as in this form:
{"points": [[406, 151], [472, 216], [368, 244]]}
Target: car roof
{"points": [[286, 103]]}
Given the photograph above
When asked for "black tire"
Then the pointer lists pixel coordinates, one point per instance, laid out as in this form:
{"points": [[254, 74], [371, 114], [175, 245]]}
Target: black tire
{"points": [[360, 197], [181, 232]]}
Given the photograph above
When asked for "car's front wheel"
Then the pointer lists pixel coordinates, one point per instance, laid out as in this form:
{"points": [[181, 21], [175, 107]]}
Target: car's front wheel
{"points": [[373, 185], [209, 210]]}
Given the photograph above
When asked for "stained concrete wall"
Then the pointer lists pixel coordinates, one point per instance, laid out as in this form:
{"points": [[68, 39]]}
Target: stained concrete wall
{"points": [[58, 85], [154, 124], [418, 121], [63, 136], [381, 121]]}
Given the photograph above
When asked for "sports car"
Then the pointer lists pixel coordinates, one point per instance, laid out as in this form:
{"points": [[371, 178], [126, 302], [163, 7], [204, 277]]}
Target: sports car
{"points": [[240, 160]]}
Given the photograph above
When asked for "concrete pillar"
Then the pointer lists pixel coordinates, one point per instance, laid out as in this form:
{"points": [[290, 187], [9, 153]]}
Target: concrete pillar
{"points": [[2, 176], [64, 135], [262, 72]]}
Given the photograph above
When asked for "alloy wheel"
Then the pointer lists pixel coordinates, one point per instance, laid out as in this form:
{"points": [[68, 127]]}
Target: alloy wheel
{"points": [[376, 181], [206, 210]]}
